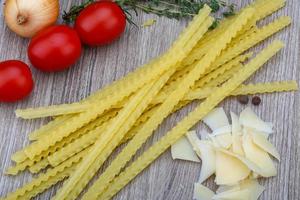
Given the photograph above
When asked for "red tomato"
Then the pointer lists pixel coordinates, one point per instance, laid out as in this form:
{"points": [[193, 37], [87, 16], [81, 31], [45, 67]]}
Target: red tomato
{"points": [[54, 49], [100, 23], [15, 80]]}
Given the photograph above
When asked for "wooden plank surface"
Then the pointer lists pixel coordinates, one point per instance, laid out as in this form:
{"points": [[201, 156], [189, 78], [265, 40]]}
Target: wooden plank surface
{"points": [[165, 179]]}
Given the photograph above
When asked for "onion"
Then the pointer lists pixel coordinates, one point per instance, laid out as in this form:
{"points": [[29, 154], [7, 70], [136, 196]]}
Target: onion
{"points": [[27, 17]]}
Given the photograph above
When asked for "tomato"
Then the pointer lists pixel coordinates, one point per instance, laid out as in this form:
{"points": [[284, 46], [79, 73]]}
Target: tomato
{"points": [[54, 49], [15, 81], [100, 23]]}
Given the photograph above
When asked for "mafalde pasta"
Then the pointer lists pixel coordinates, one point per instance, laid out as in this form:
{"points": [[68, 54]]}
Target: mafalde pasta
{"points": [[202, 67]]}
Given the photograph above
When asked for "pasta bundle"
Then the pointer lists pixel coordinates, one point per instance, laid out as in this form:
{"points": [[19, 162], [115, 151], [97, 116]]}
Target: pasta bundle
{"points": [[201, 65]]}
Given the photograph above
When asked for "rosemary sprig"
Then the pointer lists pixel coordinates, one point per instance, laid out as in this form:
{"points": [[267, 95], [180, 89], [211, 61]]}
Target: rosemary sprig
{"points": [[176, 9]]}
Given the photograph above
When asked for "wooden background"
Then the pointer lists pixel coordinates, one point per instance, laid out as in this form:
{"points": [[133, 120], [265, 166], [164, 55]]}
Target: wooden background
{"points": [[165, 179]]}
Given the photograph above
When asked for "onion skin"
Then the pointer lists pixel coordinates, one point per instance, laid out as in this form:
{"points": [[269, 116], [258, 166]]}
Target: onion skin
{"points": [[28, 17]]}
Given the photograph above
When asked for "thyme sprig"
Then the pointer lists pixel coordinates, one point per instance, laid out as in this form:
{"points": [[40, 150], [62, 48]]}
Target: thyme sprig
{"points": [[74, 11], [176, 9]]}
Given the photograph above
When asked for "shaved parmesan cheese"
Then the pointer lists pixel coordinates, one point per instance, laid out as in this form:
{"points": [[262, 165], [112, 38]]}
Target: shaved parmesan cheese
{"points": [[238, 154], [237, 145], [236, 134], [255, 188], [252, 166], [202, 193], [224, 140], [208, 157], [193, 139], [243, 194], [236, 127], [183, 150], [221, 131], [261, 141], [259, 157], [224, 188], [215, 143], [216, 119], [229, 169], [251, 130], [249, 119]]}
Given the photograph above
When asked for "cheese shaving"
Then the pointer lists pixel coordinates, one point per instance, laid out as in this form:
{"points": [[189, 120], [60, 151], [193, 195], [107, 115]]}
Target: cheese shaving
{"points": [[183, 150], [193, 139], [243, 194], [216, 119], [259, 157], [202, 193], [229, 170], [262, 142], [208, 157], [249, 119]]}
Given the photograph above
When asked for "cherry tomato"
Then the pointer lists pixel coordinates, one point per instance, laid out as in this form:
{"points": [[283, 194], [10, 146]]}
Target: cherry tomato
{"points": [[100, 23], [15, 81], [54, 49]]}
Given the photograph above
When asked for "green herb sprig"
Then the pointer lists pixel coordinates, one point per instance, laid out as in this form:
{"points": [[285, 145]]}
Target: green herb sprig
{"points": [[174, 9]]}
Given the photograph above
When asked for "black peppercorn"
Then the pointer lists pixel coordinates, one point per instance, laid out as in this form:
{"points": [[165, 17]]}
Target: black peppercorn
{"points": [[256, 100]]}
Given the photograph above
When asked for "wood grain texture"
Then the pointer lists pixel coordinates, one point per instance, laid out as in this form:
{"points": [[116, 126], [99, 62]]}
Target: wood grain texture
{"points": [[165, 179]]}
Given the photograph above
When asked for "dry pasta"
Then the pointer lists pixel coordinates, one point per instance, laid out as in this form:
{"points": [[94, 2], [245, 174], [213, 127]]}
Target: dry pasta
{"points": [[48, 127], [259, 88], [224, 77], [137, 128], [30, 162], [221, 70], [267, 7], [119, 127], [81, 143], [45, 177], [19, 157], [282, 86], [47, 184], [37, 167], [253, 39], [172, 86], [87, 140], [19, 167], [33, 113]]}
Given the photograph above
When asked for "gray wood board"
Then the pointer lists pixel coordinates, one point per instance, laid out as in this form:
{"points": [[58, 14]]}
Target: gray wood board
{"points": [[165, 178]]}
